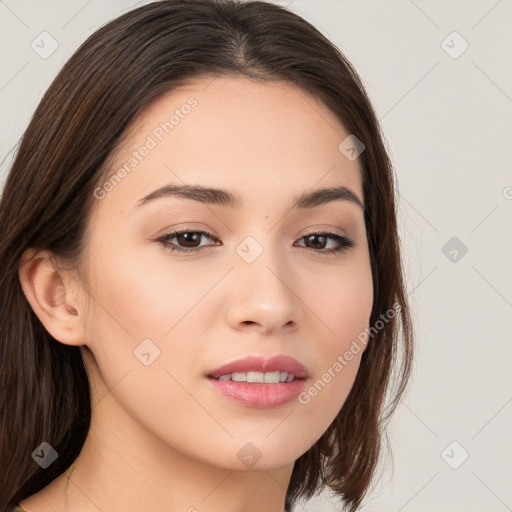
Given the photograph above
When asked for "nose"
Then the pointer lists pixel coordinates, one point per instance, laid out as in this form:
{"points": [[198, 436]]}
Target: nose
{"points": [[262, 297]]}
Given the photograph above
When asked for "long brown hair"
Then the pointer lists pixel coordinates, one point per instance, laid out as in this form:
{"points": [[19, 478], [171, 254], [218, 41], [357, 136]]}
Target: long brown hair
{"points": [[117, 72]]}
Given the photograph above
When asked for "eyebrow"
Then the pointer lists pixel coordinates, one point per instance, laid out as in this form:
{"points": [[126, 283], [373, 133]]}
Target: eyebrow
{"points": [[215, 196]]}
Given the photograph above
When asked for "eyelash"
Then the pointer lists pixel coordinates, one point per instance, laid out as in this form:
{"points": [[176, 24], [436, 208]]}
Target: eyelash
{"points": [[344, 242]]}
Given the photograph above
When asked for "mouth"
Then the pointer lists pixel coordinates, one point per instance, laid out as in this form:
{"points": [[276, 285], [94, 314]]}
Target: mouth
{"points": [[259, 395], [259, 382], [253, 377], [258, 370]]}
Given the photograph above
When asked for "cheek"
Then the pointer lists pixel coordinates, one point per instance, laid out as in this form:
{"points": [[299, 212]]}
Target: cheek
{"points": [[344, 311], [144, 350], [342, 302], [139, 298], [144, 320]]}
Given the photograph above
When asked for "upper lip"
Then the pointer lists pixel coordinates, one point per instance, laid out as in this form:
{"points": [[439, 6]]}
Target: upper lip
{"points": [[279, 362]]}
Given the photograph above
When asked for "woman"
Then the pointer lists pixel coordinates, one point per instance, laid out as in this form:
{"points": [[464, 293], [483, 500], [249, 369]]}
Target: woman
{"points": [[202, 296]]}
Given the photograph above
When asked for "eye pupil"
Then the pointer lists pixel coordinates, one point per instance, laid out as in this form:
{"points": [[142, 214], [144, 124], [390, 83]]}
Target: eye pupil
{"points": [[315, 237], [188, 237]]}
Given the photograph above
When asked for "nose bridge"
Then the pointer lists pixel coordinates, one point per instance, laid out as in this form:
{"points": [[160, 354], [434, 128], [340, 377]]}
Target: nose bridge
{"points": [[262, 262], [263, 283]]}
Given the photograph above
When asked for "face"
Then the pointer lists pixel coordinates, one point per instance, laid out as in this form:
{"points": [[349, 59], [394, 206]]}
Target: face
{"points": [[260, 278]]}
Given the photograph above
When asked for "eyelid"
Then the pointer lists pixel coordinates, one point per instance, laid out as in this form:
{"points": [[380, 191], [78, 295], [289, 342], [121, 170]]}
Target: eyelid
{"points": [[344, 241]]}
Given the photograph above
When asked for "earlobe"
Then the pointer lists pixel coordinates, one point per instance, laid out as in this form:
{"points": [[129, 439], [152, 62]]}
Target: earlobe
{"points": [[52, 297]]}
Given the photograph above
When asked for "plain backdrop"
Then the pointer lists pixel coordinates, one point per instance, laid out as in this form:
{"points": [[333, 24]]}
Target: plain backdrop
{"points": [[439, 76]]}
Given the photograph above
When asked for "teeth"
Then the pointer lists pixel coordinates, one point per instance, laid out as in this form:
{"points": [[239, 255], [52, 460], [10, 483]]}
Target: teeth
{"points": [[259, 377]]}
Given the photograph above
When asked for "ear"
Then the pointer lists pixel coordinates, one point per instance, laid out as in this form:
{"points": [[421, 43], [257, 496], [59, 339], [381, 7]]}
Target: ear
{"points": [[53, 297]]}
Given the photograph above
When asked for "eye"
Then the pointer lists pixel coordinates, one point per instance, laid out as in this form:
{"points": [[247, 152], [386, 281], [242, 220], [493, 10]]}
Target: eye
{"points": [[344, 242], [188, 237], [191, 238]]}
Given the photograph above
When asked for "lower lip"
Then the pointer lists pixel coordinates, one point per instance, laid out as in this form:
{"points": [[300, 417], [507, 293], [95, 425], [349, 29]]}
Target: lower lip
{"points": [[259, 395]]}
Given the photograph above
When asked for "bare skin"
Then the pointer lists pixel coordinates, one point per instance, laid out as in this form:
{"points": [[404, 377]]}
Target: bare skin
{"points": [[161, 439]]}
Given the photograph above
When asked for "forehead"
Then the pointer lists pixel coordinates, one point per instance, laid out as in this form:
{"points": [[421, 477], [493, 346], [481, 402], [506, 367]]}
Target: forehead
{"points": [[266, 141]]}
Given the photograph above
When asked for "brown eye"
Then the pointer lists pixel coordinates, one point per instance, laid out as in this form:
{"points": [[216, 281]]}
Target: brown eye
{"points": [[317, 241], [187, 240]]}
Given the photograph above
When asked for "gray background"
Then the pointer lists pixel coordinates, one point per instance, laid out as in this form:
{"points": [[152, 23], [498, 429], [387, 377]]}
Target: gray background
{"points": [[446, 116]]}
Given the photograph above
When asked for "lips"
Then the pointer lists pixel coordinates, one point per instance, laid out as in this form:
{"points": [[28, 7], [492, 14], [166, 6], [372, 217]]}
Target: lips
{"points": [[276, 363]]}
